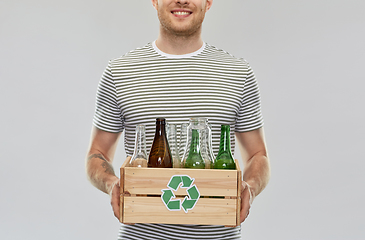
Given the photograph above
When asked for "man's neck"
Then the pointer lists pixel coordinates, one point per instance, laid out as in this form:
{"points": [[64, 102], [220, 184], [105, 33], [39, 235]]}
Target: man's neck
{"points": [[179, 45]]}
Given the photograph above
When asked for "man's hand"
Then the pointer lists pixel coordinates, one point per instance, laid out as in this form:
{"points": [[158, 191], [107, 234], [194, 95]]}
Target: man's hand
{"points": [[115, 196], [256, 173], [115, 199], [246, 200]]}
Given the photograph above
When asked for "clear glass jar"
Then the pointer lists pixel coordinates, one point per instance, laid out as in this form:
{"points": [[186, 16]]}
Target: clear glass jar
{"points": [[205, 140]]}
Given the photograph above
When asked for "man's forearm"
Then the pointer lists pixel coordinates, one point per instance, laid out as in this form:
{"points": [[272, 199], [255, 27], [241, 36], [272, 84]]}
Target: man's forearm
{"points": [[257, 173], [100, 172]]}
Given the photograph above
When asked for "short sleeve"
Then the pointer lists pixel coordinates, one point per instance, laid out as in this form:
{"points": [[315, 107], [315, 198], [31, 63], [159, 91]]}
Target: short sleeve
{"points": [[249, 115], [107, 115]]}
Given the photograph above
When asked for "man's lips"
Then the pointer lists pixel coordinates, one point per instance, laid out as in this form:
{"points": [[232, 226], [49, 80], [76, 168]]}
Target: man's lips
{"points": [[181, 12]]}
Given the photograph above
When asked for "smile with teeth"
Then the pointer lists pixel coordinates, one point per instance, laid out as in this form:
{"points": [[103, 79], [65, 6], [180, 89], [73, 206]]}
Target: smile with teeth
{"points": [[181, 13]]}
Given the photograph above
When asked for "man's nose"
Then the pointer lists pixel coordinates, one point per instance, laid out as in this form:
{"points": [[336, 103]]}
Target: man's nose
{"points": [[182, 1]]}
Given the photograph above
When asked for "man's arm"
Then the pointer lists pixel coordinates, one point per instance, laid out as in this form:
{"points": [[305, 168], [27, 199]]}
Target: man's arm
{"points": [[99, 168], [256, 173]]}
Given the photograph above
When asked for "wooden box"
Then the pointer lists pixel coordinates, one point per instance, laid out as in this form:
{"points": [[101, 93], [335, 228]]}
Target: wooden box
{"points": [[180, 196]]}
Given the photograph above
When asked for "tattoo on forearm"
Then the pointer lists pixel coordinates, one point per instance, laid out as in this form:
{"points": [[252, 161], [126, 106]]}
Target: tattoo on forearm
{"points": [[105, 164]]}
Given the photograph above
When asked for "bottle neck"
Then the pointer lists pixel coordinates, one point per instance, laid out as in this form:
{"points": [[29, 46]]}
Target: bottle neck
{"points": [[194, 159], [140, 142], [195, 146], [225, 141], [160, 127], [172, 139]]}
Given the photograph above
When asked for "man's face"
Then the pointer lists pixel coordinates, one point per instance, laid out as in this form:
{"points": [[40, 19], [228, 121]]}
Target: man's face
{"points": [[181, 17]]}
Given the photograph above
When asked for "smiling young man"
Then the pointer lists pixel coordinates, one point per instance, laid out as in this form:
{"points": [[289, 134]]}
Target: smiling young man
{"points": [[180, 25], [178, 76]]}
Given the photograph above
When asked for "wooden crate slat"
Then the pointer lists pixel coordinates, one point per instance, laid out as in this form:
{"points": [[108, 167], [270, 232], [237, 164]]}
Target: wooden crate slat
{"points": [[239, 186], [209, 211], [210, 182], [121, 189]]}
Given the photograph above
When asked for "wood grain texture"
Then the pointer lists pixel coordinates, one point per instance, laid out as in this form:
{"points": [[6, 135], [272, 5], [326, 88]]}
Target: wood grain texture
{"points": [[208, 211], [137, 207], [239, 187], [121, 203], [210, 182]]}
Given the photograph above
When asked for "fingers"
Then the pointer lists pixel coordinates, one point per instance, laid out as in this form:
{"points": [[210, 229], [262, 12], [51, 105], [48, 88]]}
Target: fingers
{"points": [[115, 207], [246, 201], [115, 200], [245, 207]]}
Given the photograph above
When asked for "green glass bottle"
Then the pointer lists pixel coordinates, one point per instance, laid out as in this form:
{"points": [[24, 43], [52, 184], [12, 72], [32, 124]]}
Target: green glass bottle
{"points": [[224, 159], [194, 159]]}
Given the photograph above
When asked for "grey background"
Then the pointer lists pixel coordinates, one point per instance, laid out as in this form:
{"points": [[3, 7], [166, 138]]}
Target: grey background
{"points": [[307, 55]]}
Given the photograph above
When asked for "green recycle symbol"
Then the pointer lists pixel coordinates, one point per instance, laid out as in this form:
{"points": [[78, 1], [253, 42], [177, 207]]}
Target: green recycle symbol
{"points": [[189, 202]]}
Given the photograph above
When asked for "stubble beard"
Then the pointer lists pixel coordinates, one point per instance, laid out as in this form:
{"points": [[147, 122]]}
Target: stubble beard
{"points": [[180, 31]]}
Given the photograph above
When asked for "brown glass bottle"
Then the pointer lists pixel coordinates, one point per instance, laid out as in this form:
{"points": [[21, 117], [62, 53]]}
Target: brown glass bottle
{"points": [[160, 155]]}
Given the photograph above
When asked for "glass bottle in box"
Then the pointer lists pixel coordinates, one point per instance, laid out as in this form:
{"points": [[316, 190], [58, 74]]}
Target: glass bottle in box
{"points": [[194, 158], [139, 157], [224, 159], [160, 154], [172, 140], [198, 140]]}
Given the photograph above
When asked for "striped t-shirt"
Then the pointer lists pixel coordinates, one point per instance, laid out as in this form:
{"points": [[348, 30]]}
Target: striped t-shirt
{"points": [[146, 83]]}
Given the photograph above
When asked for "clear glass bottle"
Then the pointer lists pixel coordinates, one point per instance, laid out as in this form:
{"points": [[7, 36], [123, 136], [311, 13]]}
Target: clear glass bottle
{"points": [[224, 159], [160, 154], [172, 139], [139, 157], [207, 148], [183, 141]]}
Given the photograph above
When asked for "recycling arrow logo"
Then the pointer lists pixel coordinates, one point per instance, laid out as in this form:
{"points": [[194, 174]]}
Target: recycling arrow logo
{"points": [[189, 202]]}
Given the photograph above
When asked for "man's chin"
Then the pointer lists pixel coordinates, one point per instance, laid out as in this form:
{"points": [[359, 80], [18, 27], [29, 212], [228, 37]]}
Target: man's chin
{"points": [[184, 31]]}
